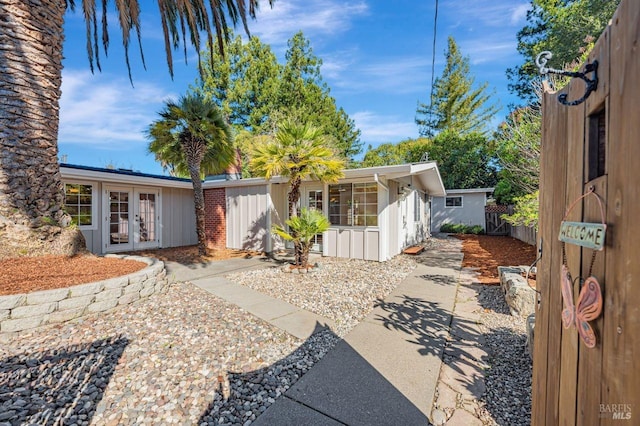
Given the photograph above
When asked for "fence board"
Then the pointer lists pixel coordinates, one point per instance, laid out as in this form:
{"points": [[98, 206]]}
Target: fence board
{"points": [[540, 353], [590, 366], [569, 364], [621, 342]]}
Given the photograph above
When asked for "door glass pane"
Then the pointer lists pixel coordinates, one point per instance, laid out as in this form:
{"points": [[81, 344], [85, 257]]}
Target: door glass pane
{"points": [[315, 202], [119, 218], [146, 217]]}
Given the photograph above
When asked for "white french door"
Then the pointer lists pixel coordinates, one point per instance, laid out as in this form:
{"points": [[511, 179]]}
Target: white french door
{"points": [[132, 218], [313, 200]]}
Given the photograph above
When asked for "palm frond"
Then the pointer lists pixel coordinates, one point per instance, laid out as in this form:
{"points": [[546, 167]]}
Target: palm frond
{"points": [[177, 17]]}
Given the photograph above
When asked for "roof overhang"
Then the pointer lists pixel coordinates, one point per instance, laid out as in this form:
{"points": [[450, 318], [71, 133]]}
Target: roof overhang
{"points": [[69, 172], [426, 173]]}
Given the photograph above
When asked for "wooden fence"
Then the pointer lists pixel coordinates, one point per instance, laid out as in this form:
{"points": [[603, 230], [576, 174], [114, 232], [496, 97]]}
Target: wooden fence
{"points": [[594, 145], [526, 234], [494, 223]]}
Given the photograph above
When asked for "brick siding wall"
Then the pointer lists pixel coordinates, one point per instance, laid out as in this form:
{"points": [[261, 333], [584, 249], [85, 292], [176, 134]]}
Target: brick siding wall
{"points": [[215, 222]]}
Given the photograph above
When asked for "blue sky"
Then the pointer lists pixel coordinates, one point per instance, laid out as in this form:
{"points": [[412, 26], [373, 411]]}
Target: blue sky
{"points": [[376, 60]]}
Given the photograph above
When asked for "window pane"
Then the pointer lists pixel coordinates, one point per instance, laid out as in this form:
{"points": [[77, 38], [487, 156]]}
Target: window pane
{"points": [[372, 220]]}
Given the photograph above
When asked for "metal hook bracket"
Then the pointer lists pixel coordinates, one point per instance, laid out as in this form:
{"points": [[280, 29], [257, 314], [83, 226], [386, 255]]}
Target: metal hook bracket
{"points": [[591, 83]]}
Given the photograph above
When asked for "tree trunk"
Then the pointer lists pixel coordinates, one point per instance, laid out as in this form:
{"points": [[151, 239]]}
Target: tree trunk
{"points": [[194, 156], [304, 254], [32, 218], [294, 197]]}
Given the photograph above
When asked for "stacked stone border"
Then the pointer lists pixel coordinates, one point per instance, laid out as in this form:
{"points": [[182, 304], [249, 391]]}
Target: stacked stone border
{"points": [[20, 312]]}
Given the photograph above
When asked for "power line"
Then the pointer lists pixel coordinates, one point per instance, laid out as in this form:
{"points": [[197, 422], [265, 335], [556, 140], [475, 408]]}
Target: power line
{"points": [[433, 60]]}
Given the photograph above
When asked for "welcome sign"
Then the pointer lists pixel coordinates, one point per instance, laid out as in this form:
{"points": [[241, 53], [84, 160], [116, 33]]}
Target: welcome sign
{"points": [[590, 235]]}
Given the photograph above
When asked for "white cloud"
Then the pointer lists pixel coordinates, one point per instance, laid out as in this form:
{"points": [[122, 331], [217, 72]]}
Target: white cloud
{"points": [[378, 129], [314, 17], [397, 75], [491, 49], [107, 113], [519, 13], [486, 12]]}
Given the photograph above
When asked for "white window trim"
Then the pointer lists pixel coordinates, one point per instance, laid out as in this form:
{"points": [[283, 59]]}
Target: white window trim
{"points": [[454, 207], [94, 203], [352, 182]]}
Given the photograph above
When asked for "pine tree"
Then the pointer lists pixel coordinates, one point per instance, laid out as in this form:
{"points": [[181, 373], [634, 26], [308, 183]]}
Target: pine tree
{"points": [[456, 105]]}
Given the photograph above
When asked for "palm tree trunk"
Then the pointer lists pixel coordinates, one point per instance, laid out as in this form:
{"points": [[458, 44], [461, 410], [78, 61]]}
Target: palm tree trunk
{"points": [[194, 156], [31, 191], [294, 198]]}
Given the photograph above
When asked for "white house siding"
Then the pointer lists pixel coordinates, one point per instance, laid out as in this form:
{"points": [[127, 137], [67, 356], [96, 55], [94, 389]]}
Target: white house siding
{"points": [[354, 243], [178, 219], [177, 226], [248, 224], [279, 211], [471, 212]]}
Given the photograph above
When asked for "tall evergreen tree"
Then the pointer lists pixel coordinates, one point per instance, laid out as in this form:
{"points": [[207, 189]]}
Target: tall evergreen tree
{"points": [[567, 28], [257, 93], [243, 81], [455, 105]]}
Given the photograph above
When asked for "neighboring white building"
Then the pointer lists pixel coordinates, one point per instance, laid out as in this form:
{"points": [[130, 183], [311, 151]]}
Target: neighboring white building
{"points": [[465, 206], [374, 212]]}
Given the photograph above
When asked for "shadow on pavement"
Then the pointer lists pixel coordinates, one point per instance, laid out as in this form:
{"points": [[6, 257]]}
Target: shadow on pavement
{"points": [[341, 388], [58, 386]]}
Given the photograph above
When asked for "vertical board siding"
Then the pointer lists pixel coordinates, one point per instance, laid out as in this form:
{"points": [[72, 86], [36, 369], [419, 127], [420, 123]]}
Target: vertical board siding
{"points": [[247, 210], [573, 384]]}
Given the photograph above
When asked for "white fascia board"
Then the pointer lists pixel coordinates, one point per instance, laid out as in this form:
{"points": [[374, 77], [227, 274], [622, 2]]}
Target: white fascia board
{"points": [[469, 191], [210, 184], [79, 174]]}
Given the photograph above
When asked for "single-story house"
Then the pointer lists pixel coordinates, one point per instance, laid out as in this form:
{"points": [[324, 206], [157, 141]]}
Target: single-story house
{"points": [[374, 212], [460, 206]]}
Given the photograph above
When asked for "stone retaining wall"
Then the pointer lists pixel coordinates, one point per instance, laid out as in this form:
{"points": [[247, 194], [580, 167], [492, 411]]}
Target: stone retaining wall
{"points": [[19, 312], [519, 296]]}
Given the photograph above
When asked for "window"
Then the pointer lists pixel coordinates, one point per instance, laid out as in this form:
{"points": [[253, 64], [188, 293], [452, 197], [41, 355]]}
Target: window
{"points": [[80, 204], [416, 206], [353, 204], [453, 202]]}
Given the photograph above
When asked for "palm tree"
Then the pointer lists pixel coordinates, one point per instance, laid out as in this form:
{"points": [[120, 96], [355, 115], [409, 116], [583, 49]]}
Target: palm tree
{"points": [[31, 35], [298, 152], [193, 138], [302, 229]]}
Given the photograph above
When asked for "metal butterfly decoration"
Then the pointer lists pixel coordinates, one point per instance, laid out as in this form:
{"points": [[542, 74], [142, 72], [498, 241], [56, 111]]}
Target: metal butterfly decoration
{"points": [[588, 307]]}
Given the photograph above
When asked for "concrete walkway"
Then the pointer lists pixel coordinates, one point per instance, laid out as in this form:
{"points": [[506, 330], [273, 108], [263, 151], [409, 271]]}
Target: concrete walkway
{"points": [[387, 369], [210, 277]]}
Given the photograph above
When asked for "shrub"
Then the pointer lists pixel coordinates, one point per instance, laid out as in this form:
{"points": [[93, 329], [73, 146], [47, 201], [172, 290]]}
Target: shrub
{"points": [[460, 228]]}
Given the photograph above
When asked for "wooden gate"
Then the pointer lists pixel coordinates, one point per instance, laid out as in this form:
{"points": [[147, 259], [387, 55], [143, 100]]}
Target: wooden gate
{"points": [[594, 145], [494, 223]]}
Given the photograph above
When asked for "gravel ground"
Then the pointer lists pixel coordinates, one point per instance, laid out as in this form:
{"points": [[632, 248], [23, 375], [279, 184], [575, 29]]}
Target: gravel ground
{"points": [[507, 400], [342, 290], [181, 357]]}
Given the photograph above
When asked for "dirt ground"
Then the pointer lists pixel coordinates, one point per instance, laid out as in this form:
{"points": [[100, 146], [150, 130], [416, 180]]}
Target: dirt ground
{"points": [[486, 253], [28, 274]]}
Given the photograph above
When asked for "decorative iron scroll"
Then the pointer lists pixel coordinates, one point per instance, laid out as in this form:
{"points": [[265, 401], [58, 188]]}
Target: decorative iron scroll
{"points": [[591, 83]]}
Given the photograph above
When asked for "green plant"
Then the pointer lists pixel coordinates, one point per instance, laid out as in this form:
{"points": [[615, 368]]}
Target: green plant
{"points": [[525, 211], [301, 231], [460, 228]]}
